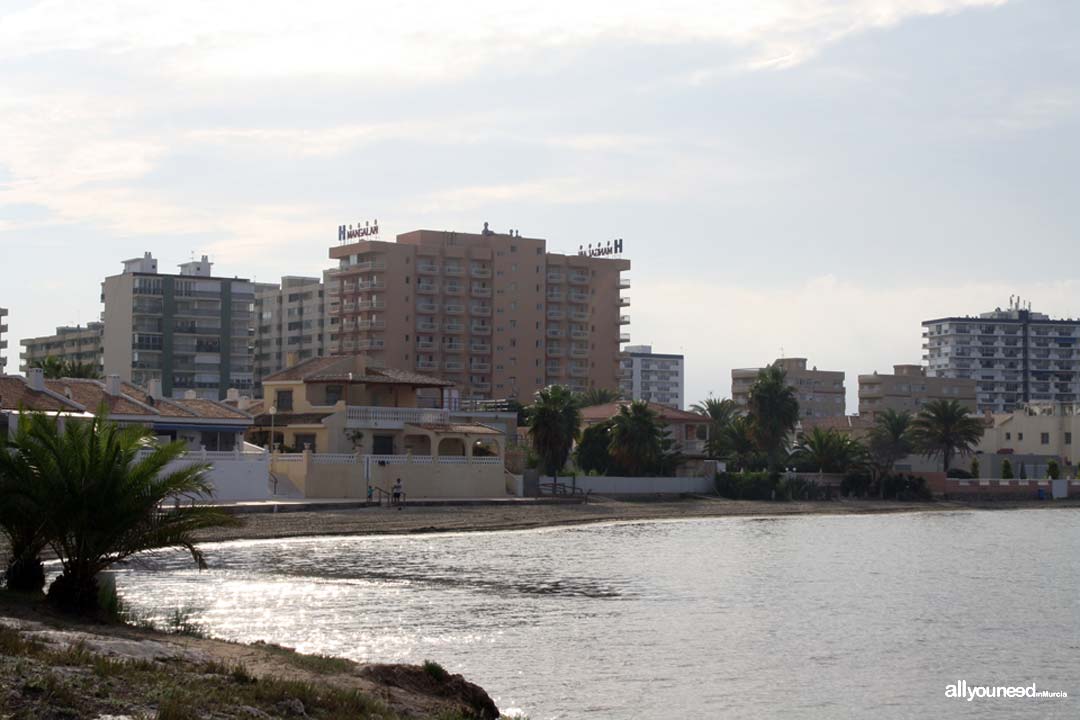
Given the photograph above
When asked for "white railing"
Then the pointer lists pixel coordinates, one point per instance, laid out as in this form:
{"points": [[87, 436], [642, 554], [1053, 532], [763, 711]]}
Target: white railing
{"points": [[333, 458], [251, 453], [365, 414], [289, 457], [433, 460]]}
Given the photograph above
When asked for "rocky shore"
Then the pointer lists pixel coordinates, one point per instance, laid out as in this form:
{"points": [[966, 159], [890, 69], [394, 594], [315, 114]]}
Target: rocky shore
{"points": [[55, 667]]}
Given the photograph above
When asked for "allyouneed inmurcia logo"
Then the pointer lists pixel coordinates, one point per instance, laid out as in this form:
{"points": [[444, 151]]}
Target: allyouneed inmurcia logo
{"points": [[962, 691]]}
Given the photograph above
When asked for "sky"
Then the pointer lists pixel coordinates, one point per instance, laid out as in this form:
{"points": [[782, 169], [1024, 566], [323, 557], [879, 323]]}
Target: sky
{"points": [[807, 178]]}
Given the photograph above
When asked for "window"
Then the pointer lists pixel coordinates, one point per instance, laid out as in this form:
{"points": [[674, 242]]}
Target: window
{"points": [[283, 400], [1044, 438], [1020, 437], [333, 394], [1068, 438], [1008, 436]]}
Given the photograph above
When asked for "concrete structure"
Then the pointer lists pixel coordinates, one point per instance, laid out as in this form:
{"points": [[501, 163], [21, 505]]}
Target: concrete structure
{"points": [[909, 388], [293, 323], [656, 377], [1037, 431], [1015, 356], [820, 392], [3, 340], [78, 344], [190, 332], [496, 314]]}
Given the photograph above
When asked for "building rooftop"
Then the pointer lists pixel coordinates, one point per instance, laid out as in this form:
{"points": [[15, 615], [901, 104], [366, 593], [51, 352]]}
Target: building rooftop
{"points": [[352, 368], [599, 413]]}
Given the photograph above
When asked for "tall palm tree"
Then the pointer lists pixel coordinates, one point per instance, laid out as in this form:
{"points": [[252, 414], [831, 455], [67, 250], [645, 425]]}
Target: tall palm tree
{"points": [[101, 499], [597, 396], [737, 447], [774, 412], [637, 438], [944, 428], [828, 451], [21, 520], [592, 453], [53, 367], [889, 440], [554, 423], [74, 369], [720, 413]]}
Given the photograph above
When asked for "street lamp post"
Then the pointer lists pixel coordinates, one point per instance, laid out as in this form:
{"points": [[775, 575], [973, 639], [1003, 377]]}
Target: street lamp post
{"points": [[273, 412]]}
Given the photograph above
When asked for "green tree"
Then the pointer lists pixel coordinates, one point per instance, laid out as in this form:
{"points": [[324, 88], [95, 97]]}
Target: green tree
{"points": [[80, 370], [737, 448], [1023, 471], [103, 500], [52, 367], [1053, 470], [827, 451], [1006, 470], [720, 413], [774, 412], [596, 396], [975, 468], [22, 521], [889, 441], [554, 423], [943, 428], [637, 436], [592, 454]]}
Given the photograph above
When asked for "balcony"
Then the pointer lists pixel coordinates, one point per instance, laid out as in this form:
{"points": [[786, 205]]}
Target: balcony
{"points": [[372, 344], [454, 328], [427, 268], [370, 285], [453, 289], [578, 278], [482, 348], [480, 271], [426, 326], [373, 304], [480, 329], [555, 297], [454, 347], [624, 337], [576, 296], [554, 332], [555, 351], [453, 269], [479, 367], [553, 370], [624, 283], [425, 344], [363, 325], [480, 310], [624, 319], [388, 418], [368, 266], [578, 371], [481, 292], [482, 386], [427, 364], [578, 315], [427, 288], [453, 366], [554, 277], [454, 309], [427, 307], [555, 315], [579, 333], [579, 351], [624, 302]]}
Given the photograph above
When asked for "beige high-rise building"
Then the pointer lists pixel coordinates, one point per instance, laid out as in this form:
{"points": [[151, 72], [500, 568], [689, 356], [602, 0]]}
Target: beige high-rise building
{"points": [[293, 323], [497, 314], [820, 392], [79, 344], [908, 389], [3, 340]]}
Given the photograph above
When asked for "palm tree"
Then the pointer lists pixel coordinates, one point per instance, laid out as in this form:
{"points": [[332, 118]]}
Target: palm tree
{"points": [[53, 367], [637, 438], [21, 521], [888, 441], [827, 451], [596, 396], [774, 412], [592, 452], [944, 428], [720, 413], [737, 447], [74, 369], [554, 423], [101, 499]]}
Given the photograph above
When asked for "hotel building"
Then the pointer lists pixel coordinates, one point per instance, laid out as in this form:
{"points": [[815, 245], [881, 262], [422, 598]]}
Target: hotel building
{"points": [[1015, 356], [190, 331], [655, 377], [820, 392], [3, 340], [496, 314], [79, 344], [909, 388], [293, 323]]}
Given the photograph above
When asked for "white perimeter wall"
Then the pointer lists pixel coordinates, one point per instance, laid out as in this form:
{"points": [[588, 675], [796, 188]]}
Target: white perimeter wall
{"points": [[639, 485]]}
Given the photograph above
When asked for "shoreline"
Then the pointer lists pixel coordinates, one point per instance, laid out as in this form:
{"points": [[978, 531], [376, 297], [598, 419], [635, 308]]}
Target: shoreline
{"points": [[373, 522]]}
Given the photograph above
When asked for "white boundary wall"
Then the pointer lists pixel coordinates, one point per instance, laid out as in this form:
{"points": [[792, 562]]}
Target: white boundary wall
{"points": [[639, 485]]}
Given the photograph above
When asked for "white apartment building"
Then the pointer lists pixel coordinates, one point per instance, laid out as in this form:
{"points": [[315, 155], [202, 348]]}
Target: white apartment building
{"points": [[655, 377], [3, 340], [78, 344], [1015, 356], [293, 323], [191, 331]]}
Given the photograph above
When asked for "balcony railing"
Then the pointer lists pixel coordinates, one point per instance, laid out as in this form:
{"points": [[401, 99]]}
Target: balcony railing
{"points": [[454, 309], [554, 332], [578, 297], [555, 315], [388, 417], [479, 367], [454, 328], [480, 348], [478, 271], [481, 292], [480, 310], [453, 269], [624, 319], [427, 268], [480, 329], [624, 302], [554, 277], [428, 288], [427, 365], [453, 289], [579, 278], [578, 316]]}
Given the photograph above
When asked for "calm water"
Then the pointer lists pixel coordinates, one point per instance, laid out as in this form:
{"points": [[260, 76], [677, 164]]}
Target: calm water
{"points": [[808, 617]]}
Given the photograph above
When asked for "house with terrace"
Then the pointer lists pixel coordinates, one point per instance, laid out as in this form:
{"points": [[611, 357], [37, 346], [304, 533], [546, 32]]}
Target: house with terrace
{"points": [[378, 424]]}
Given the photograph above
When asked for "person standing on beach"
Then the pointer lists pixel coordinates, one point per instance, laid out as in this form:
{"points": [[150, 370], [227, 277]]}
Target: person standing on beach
{"points": [[397, 491]]}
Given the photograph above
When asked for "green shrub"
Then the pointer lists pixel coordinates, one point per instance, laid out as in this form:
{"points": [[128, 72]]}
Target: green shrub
{"points": [[1006, 470], [1023, 471], [974, 467], [1053, 470], [959, 473], [746, 485], [855, 484], [436, 670], [906, 487]]}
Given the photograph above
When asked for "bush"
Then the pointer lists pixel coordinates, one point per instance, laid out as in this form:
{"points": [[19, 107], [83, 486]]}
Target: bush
{"points": [[745, 485], [974, 467], [959, 473], [1053, 470], [1006, 470], [906, 487], [435, 670], [855, 484], [795, 488]]}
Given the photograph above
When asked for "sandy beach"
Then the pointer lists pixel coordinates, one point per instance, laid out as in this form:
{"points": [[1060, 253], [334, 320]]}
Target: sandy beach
{"points": [[378, 521]]}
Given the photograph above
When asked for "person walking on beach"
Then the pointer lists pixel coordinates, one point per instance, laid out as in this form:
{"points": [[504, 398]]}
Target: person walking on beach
{"points": [[397, 492]]}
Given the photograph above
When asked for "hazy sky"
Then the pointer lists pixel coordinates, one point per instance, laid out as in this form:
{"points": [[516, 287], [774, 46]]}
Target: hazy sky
{"points": [[816, 175]]}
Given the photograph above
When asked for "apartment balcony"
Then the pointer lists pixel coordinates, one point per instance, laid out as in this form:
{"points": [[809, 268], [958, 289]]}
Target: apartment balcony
{"points": [[348, 325], [482, 386], [372, 304], [482, 348], [579, 334], [372, 344], [430, 308], [480, 329], [624, 319], [480, 310], [427, 365], [453, 366], [453, 347], [555, 277], [554, 332], [624, 283], [554, 351], [367, 266], [576, 296], [578, 315], [453, 289], [579, 352], [423, 326], [624, 337], [370, 285], [578, 371], [480, 292], [555, 315], [425, 345], [348, 306], [624, 302], [389, 418], [427, 268], [427, 288], [579, 278], [479, 367], [449, 269], [454, 328], [555, 297], [480, 272], [454, 309], [363, 325]]}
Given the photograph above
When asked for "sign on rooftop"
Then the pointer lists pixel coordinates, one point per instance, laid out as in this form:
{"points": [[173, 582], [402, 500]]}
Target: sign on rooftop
{"points": [[367, 230], [613, 247]]}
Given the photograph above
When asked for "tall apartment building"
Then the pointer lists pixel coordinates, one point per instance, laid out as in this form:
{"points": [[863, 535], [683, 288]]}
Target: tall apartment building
{"points": [[1015, 356], [656, 377], [3, 340], [84, 345], [909, 388], [293, 323], [190, 331], [497, 314], [820, 392]]}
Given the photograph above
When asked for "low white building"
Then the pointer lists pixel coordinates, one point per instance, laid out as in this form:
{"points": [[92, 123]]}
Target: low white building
{"points": [[655, 377]]}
